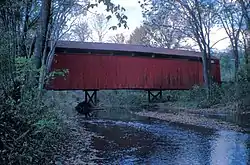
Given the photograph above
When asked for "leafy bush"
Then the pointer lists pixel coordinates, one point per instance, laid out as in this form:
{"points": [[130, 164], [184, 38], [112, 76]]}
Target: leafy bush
{"points": [[122, 97], [220, 94], [30, 131]]}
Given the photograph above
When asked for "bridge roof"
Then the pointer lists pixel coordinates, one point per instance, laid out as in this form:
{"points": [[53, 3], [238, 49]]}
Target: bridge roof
{"points": [[113, 47]]}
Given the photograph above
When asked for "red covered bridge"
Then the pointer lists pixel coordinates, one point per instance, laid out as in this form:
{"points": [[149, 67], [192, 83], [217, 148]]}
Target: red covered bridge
{"points": [[103, 66]]}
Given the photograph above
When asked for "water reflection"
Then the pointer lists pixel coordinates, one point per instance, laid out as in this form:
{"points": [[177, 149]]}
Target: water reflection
{"points": [[163, 143], [230, 148]]}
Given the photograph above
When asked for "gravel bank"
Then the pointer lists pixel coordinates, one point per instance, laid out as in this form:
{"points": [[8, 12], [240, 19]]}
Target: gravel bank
{"points": [[191, 116], [77, 148]]}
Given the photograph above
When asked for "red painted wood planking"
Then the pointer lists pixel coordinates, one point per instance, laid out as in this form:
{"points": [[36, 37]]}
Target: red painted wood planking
{"points": [[97, 71]]}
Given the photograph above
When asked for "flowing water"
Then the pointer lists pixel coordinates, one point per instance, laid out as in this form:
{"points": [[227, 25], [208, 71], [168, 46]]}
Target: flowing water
{"points": [[137, 140]]}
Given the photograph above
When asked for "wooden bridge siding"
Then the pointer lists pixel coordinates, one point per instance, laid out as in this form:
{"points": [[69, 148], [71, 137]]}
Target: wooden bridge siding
{"points": [[216, 71], [124, 72]]}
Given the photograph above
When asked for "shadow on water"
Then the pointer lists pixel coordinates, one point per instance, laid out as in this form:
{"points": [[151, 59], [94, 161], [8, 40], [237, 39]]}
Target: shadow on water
{"points": [[140, 141]]}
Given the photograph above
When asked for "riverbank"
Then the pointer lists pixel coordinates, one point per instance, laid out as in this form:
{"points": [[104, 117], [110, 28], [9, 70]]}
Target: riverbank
{"points": [[193, 116], [77, 148]]}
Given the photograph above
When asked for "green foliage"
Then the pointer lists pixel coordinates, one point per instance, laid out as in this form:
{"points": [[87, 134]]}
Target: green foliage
{"points": [[57, 73], [220, 95], [227, 65], [227, 68], [117, 10], [30, 131], [121, 97], [25, 69], [45, 123]]}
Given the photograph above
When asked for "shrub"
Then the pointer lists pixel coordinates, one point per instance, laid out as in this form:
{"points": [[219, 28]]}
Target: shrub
{"points": [[30, 132]]}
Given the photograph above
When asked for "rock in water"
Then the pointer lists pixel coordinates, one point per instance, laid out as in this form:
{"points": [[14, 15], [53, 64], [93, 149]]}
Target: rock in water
{"points": [[84, 108]]}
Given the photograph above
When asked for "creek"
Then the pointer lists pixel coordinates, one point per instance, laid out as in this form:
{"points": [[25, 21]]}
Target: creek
{"points": [[128, 139]]}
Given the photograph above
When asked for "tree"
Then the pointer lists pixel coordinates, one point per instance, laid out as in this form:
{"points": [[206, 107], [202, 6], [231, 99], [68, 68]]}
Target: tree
{"points": [[231, 18], [42, 31], [164, 25], [226, 65], [99, 26], [139, 36], [114, 9], [245, 7], [81, 31], [51, 27], [43, 21], [245, 42], [201, 18], [61, 12], [20, 119], [118, 38], [25, 25]]}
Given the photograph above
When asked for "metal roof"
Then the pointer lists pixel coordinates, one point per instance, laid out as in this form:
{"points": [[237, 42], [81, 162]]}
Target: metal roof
{"points": [[125, 48]]}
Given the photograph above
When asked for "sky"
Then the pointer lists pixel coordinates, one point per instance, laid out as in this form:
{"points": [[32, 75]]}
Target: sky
{"points": [[133, 12], [135, 19]]}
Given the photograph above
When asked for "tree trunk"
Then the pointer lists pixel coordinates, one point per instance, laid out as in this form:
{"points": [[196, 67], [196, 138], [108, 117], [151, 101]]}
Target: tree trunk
{"points": [[44, 61], [206, 73], [23, 37], [236, 64], [41, 32], [236, 78], [209, 67], [244, 34], [247, 53], [245, 7]]}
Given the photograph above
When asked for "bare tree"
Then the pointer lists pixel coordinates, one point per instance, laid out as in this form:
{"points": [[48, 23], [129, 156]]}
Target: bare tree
{"points": [[245, 7], [231, 18], [81, 31], [200, 17], [118, 38], [139, 36], [99, 26], [25, 26], [165, 25]]}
